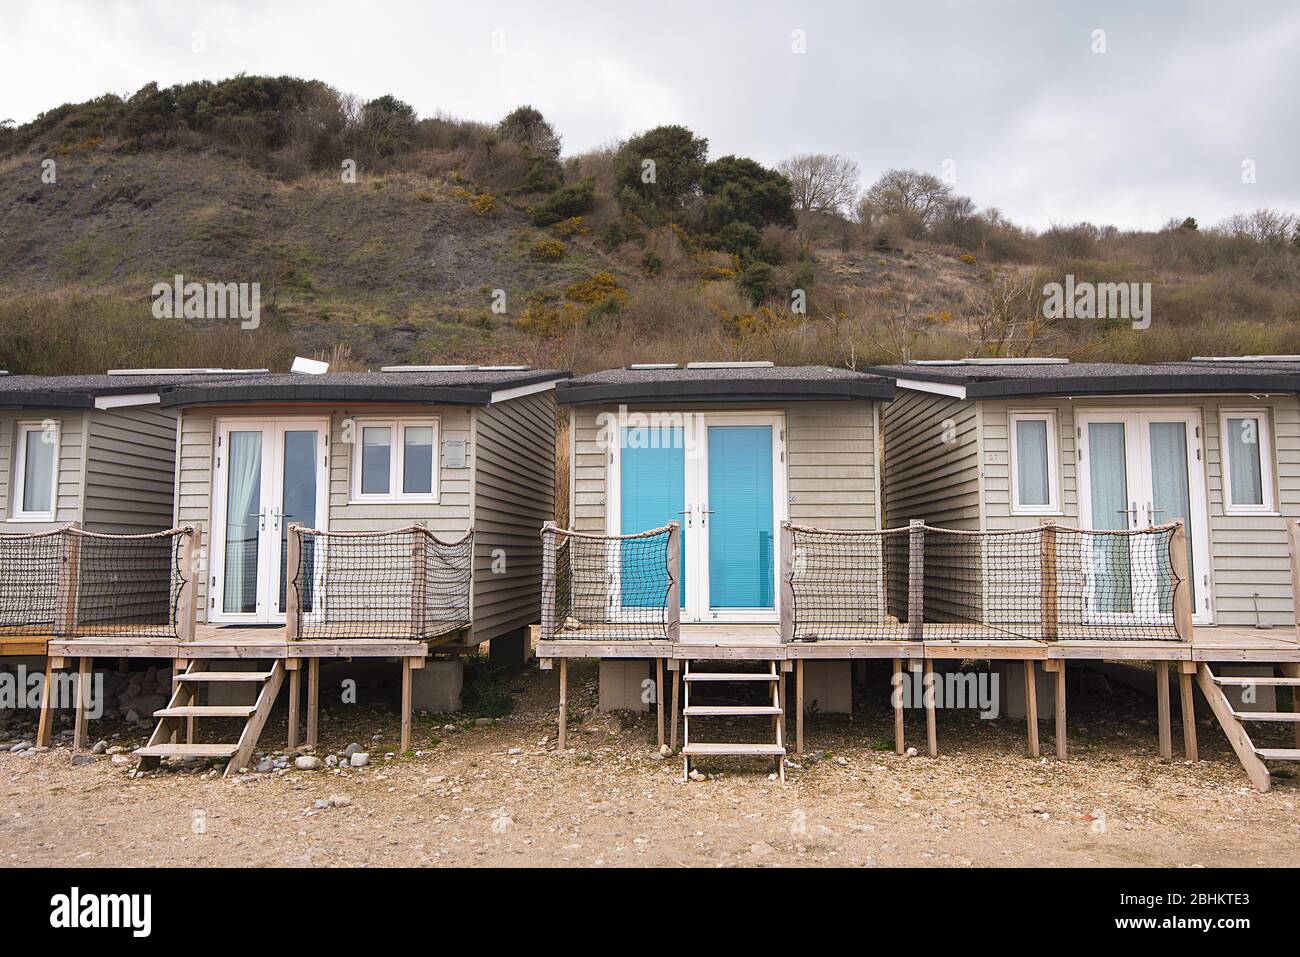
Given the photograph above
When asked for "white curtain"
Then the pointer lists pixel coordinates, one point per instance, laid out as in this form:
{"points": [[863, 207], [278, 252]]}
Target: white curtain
{"points": [[243, 503]]}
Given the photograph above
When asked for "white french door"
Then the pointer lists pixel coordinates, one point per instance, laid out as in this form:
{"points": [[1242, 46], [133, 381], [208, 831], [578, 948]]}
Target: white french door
{"points": [[269, 473], [1137, 469], [722, 477]]}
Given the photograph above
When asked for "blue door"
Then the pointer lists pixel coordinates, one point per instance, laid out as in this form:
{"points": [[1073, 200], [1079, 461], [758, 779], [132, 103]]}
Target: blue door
{"points": [[739, 519], [653, 493]]}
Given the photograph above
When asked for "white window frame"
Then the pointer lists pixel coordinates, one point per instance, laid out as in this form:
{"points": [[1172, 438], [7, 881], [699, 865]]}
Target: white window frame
{"points": [[397, 460], [1269, 506], [1053, 506], [21, 431]]}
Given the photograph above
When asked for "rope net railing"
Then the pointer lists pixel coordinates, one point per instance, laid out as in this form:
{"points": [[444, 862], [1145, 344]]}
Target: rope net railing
{"points": [[1048, 583], [401, 584], [610, 587], [74, 583]]}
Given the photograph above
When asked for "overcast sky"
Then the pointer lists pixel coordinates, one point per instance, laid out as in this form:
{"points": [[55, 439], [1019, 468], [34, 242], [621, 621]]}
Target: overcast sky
{"points": [[1011, 95]]}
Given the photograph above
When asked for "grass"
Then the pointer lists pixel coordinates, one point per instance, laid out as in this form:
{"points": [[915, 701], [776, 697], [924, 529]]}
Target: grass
{"points": [[487, 692]]}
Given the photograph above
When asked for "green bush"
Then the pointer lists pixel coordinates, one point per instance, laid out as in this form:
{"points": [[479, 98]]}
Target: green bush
{"points": [[568, 201], [547, 250], [756, 281]]}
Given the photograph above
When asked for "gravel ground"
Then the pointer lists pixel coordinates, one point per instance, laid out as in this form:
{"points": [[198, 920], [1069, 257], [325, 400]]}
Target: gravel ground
{"points": [[496, 792]]}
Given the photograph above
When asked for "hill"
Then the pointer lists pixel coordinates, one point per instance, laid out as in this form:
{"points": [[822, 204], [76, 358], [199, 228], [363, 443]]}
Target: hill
{"points": [[379, 237]]}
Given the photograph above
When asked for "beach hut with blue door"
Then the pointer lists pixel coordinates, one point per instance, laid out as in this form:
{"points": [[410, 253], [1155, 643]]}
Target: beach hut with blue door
{"points": [[680, 479]]}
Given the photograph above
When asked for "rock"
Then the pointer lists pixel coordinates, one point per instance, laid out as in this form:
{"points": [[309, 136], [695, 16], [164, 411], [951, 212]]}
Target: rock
{"points": [[331, 761], [351, 749], [99, 747], [121, 759], [515, 751], [696, 776], [842, 762], [82, 759], [663, 749], [321, 804], [761, 849], [265, 766], [20, 746], [911, 752], [656, 756], [359, 759], [438, 778], [340, 800], [307, 762], [132, 716]]}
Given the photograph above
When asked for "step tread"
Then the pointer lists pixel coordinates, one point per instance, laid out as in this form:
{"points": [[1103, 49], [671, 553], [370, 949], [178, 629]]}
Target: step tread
{"points": [[187, 751], [1278, 754], [1290, 716], [258, 676], [719, 710], [206, 711], [730, 676], [1237, 681], [765, 750]]}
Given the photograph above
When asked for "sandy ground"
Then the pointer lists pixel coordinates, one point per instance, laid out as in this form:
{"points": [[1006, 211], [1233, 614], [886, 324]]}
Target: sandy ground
{"points": [[498, 793]]}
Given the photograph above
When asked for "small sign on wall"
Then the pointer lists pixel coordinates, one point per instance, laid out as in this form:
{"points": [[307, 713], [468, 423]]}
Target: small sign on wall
{"points": [[453, 453]]}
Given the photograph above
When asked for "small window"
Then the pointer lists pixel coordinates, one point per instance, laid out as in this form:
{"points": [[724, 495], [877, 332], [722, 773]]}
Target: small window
{"points": [[396, 460], [1033, 463], [1247, 461], [36, 468]]}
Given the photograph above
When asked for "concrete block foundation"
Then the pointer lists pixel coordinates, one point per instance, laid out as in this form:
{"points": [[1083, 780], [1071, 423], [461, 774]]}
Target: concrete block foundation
{"points": [[622, 684], [437, 686]]}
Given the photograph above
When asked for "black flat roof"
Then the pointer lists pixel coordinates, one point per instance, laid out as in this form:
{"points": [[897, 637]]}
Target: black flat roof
{"points": [[80, 391], [468, 387], [731, 384], [1007, 380]]}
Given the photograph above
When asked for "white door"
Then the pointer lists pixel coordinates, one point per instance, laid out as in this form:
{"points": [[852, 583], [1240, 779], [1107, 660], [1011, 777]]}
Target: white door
{"points": [[269, 473], [722, 477], [1137, 469]]}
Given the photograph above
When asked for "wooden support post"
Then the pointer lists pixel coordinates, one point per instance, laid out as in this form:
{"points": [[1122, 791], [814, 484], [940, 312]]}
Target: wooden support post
{"points": [[83, 699], [293, 586], [1050, 603], [931, 719], [798, 707], [673, 613], [787, 582], [1183, 590], [659, 697], [187, 604], [896, 696], [916, 581], [1187, 704], [782, 701], [419, 585], [1291, 669], [1060, 711], [313, 700], [1031, 706], [295, 703], [564, 701], [1162, 711], [406, 705], [45, 720], [677, 690]]}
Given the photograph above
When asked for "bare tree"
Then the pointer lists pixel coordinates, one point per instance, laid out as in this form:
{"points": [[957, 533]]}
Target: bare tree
{"points": [[1007, 316], [909, 195], [822, 183]]}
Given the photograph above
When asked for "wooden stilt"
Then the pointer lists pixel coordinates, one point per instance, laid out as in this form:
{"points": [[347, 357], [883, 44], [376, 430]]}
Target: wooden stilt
{"points": [[564, 702], [798, 707], [83, 697], [659, 697], [295, 692], [1031, 707], [1060, 710], [313, 700], [781, 701], [1162, 710], [677, 690], [406, 705], [1187, 704], [896, 695], [45, 721], [931, 719]]}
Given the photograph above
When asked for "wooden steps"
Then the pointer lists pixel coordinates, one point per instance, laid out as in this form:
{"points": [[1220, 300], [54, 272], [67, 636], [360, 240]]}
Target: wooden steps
{"points": [[183, 711], [716, 680], [1234, 722]]}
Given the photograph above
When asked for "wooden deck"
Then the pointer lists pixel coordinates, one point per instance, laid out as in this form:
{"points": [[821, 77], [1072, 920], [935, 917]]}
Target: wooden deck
{"points": [[763, 642]]}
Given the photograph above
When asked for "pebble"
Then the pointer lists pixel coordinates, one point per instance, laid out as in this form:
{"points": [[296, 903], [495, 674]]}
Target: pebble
{"points": [[100, 747], [359, 759], [307, 762], [438, 778], [351, 749], [911, 752], [80, 759], [264, 766], [340, 800], [331, 761], [515, 751], [20, 746], [121, 759]]}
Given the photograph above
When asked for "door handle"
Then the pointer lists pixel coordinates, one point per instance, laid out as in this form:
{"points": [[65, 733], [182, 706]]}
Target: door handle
{"points": [[703, 512], [689, 511], [261, 519], [277, 515]]}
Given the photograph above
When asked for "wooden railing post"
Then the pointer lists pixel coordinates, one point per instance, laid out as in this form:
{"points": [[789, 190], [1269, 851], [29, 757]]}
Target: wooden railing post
{"points": [[548, 580], [1293, 541], [69, 578], [1183, 589], [674, 609], [787, 582], [419, 580], [1050, 606], [293, 590], [187, 603], [916, 580]]}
